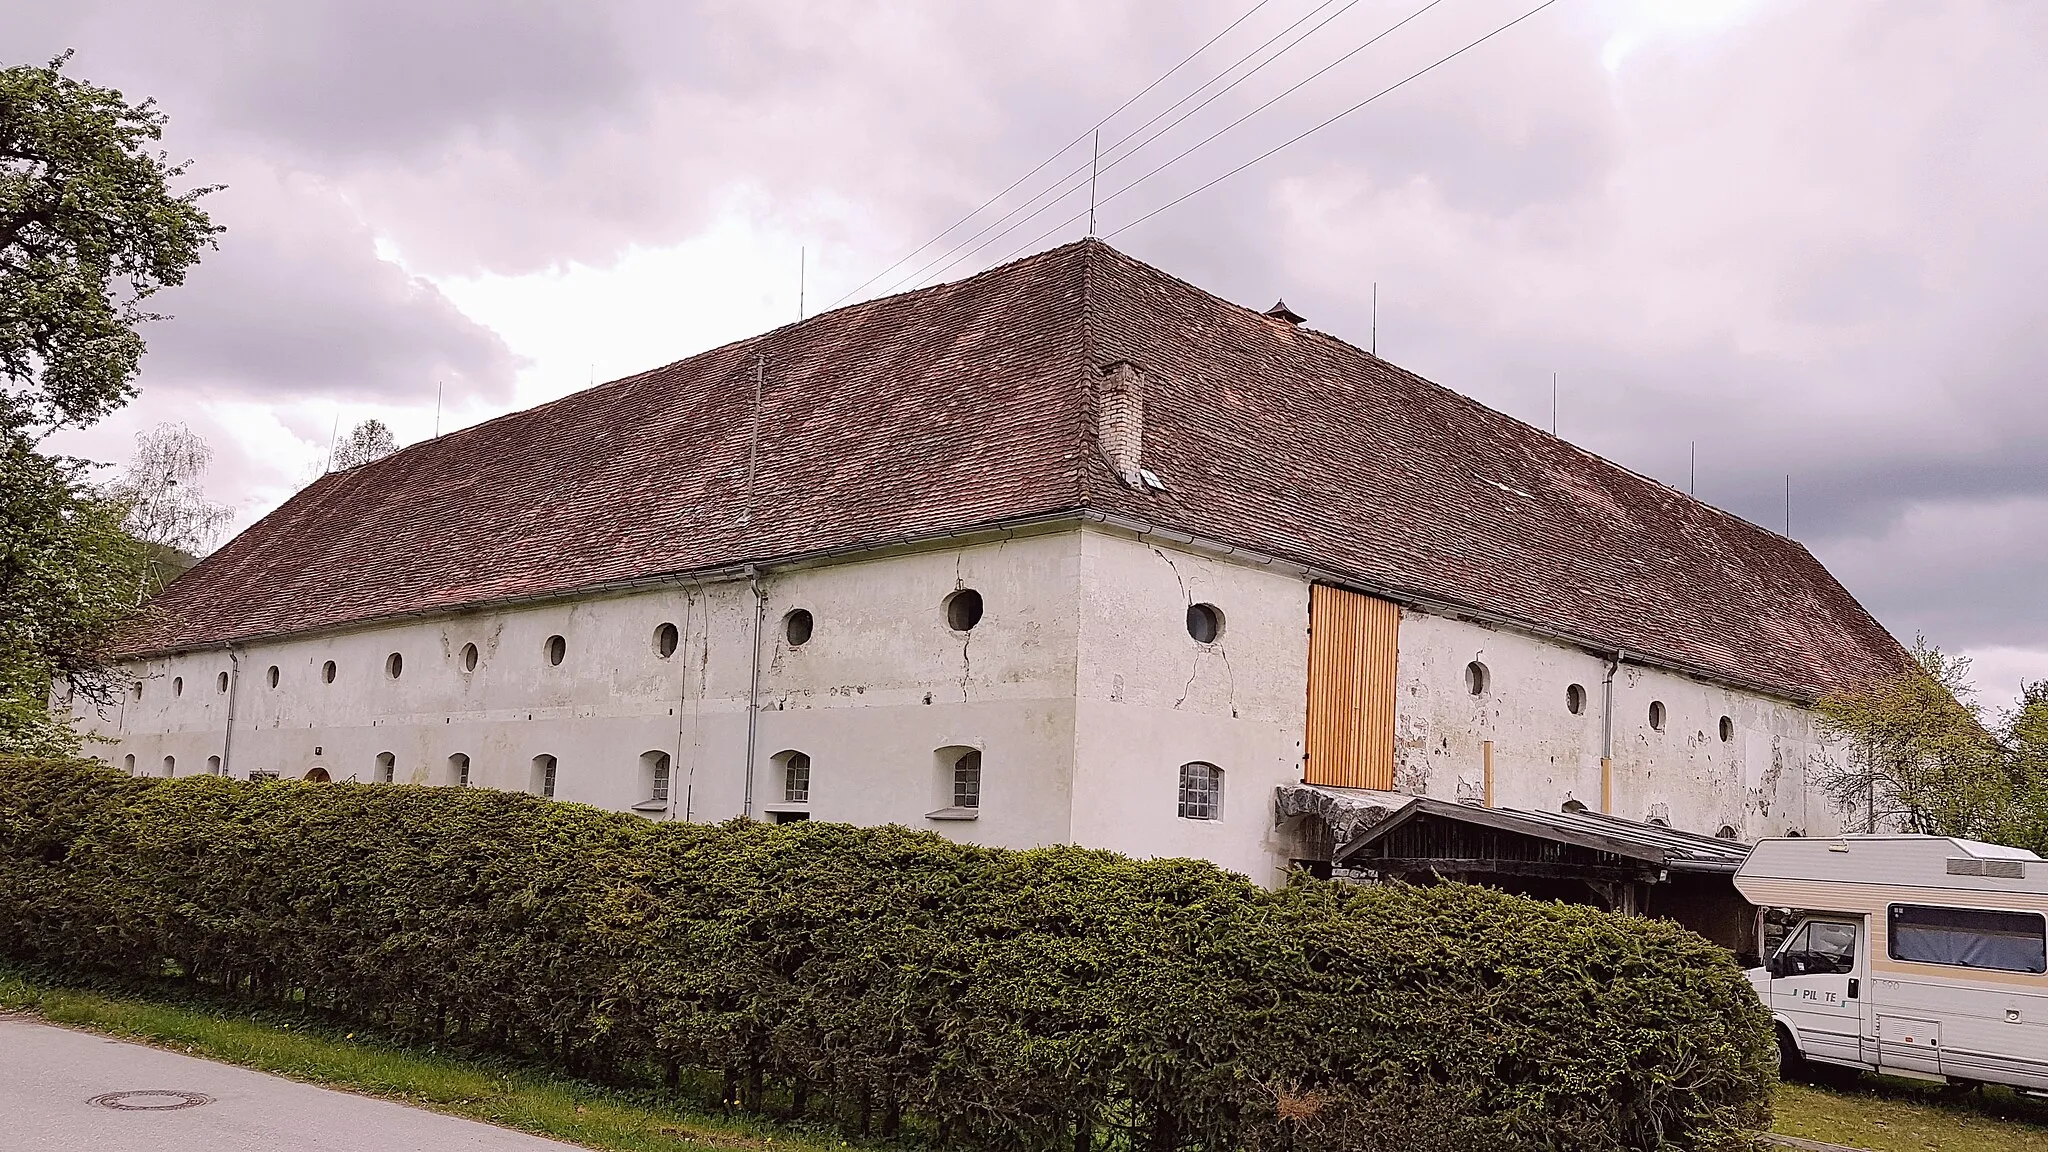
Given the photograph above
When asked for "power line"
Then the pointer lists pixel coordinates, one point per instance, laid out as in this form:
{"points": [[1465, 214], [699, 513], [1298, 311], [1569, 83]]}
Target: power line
{"points": [[1390, 30], [1325, 124], [1185, 61], [921, 274]]}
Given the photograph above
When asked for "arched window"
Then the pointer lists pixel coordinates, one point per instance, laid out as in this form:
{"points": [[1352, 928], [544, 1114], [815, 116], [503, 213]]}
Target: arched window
{"points": [[967, 779], [170, 766], [1727, 729], [458, 769], [796, 777], [544, 776], [1201, 791], [654, 781], [128, 762], [1728, 832], [177, 685], [666, 640], [317, 775], [213, 765], [1573, 806], [387, 768]]}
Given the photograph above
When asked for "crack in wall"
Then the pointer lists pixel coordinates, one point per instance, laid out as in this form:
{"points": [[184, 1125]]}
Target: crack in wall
{"points": [[1187, 601]]}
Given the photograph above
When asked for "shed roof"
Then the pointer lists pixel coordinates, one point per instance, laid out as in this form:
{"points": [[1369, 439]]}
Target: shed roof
{"points": [[972, 404], [1598, 832]]}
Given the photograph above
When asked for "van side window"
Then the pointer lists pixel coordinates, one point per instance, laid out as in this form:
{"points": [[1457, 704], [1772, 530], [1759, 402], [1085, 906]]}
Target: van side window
{"points": [[1968, 938], [1821, 948]]}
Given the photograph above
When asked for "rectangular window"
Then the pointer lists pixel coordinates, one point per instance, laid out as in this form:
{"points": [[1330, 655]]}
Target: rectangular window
{"points": [[1969, 938], [547, 779], [1201, 792]]}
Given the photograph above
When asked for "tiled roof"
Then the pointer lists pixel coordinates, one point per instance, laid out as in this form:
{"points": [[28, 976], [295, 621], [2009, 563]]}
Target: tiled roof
{"points": [[972, 404]]}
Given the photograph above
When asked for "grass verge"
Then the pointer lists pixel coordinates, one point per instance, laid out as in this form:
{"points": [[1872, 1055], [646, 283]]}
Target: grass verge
{"points": [[1886, 1115], [505, 1095]]}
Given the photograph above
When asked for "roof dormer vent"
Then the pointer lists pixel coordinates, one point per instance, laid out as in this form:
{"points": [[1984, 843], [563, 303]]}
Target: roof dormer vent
{"points": [[1280, 311]]}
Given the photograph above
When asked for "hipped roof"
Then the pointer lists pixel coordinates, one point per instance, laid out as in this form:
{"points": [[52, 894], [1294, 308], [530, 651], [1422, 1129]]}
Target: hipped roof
{"points": [[972, 404]]}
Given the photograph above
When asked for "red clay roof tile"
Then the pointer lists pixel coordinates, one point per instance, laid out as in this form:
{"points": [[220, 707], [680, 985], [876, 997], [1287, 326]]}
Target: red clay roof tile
{"points": [[970, 404]]}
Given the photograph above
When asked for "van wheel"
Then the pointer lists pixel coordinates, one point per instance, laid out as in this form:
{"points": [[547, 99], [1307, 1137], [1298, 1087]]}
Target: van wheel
{"points": [[1791, 1065]]}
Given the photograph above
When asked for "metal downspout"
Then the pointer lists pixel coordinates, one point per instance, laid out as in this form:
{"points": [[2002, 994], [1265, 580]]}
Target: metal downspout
{"points": [[1607, 734], [227, 744], [754, 688]]}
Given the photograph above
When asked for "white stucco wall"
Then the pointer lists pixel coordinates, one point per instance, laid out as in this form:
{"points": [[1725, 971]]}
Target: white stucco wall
{"points": [[1756, 782], [1081, 686]]}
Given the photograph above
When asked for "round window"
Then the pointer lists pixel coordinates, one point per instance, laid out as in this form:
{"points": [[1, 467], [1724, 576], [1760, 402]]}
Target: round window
{"points": [[666, 639], [1477, 678], [327, 672], [557, 649], [1205, 623], [1575, 699], [469, 657], [796, 627], [963, 610]]}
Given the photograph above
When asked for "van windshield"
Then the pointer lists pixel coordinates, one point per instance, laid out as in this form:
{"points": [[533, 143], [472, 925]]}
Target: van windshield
{"points": [[1822, 947]]}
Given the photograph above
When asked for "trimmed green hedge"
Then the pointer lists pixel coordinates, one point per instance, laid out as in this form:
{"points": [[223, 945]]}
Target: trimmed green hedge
{"points": [[991, 999]]}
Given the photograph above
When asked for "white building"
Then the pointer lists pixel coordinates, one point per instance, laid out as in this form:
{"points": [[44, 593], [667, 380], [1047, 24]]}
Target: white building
{"points": [[1068, 552]]}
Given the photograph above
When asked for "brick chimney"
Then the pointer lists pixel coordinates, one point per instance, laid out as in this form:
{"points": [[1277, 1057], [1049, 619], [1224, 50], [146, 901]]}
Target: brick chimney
{"points": [[1120, 420]]}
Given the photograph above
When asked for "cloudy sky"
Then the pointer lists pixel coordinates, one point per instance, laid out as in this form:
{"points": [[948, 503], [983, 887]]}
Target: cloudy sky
{"points": [[1795, 239]]}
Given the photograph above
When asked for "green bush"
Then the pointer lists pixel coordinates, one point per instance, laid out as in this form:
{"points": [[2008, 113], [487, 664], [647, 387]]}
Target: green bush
{"points": [[1059, 998]]}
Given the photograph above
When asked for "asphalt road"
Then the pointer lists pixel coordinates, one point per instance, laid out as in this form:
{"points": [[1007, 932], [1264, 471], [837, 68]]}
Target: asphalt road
{"points": [[49, 1075]]}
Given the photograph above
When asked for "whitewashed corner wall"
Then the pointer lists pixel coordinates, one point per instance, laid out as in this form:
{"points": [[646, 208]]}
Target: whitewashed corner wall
{"points": [[1081, 685]]}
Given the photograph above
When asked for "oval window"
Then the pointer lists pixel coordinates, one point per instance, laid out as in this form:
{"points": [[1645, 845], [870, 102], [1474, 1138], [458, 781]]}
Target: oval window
{"points": [[223, 682], [1575, 699], [469, 657], [177, 685], [557, 649], [1727, 729], [963, 610], [1657, 715], [1205, 623], [327, 672], [666, 640], [393, 665], [271, 675], [796, 627]]}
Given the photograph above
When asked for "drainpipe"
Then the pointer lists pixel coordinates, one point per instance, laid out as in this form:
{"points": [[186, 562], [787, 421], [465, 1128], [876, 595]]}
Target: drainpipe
{"points": [[754, 688], [1607, 734], [227, 744]]}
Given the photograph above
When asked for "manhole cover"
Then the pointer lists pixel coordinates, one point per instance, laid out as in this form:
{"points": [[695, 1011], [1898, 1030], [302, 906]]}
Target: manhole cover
{"points": [[150, 1100]]}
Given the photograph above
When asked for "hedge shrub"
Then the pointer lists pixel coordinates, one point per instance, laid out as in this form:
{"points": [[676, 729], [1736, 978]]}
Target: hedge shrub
{"points": [[990, 999]]}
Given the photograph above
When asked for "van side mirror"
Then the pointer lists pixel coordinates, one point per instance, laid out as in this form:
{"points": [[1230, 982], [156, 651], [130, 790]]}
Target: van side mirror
{"points": [[1776, 966]]}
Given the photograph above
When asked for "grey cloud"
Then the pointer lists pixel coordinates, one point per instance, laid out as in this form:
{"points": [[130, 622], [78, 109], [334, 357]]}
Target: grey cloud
{"points": [[1808, 242]]}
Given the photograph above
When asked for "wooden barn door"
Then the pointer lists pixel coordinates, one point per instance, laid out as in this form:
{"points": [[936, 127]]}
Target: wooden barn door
{"points": [[1351, 652]]}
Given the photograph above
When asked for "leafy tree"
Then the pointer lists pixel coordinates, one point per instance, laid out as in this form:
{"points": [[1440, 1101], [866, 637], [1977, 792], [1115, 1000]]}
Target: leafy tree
{"points": [[1918, 758], [368, 441], [167, 508], [2023, 740], [89, 230], [68, 574]]}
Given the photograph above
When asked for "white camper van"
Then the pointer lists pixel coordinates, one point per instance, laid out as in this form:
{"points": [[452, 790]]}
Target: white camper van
{"points": [[1919, 956]]}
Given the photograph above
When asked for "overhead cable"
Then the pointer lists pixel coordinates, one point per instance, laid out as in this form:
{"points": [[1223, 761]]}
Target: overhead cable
{"points": [[1317, 128], [1269, 102], [1185, 61], [944, 265]]}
